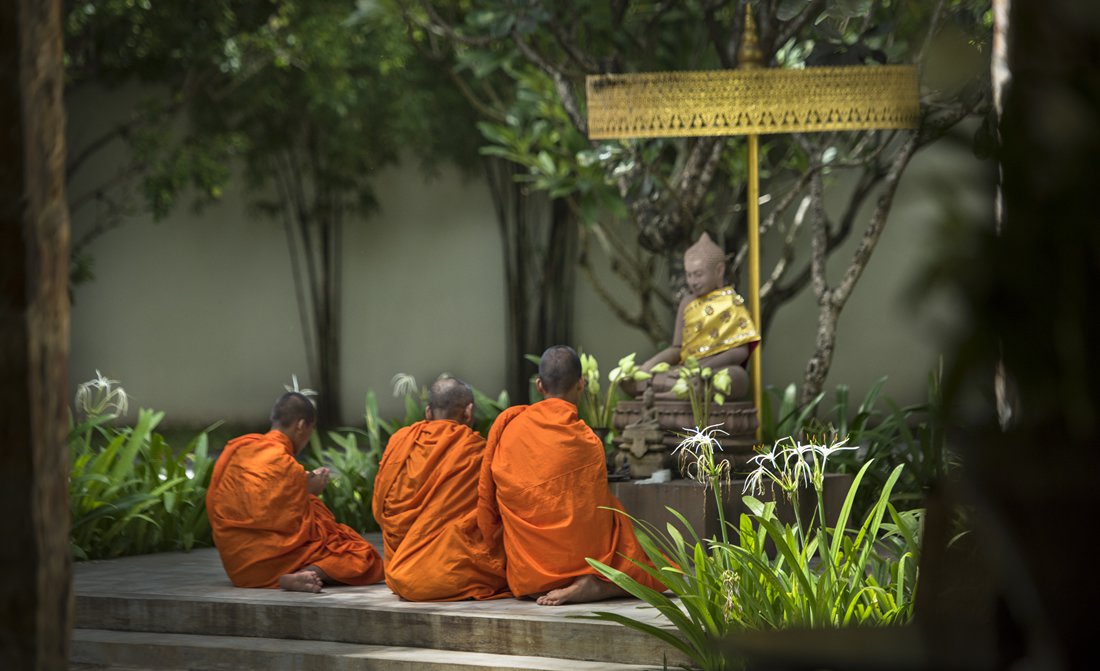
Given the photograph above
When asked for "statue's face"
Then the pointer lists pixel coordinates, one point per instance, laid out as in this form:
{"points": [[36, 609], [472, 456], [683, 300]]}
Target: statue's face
{"points": [[703, 278]]}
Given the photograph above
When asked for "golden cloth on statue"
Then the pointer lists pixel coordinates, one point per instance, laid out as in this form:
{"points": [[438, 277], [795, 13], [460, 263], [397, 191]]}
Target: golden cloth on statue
{"points": [[715, 323]]}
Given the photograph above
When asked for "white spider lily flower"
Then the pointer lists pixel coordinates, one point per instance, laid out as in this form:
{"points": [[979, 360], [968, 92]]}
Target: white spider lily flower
{"points": [[403, 385], [697, 456], [790, 463], [100, 396], [293, 386]]}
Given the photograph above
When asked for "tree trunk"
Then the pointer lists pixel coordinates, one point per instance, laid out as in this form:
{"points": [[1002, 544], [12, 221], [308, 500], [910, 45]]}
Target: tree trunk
{"points": [[832, 300], [36, 602], [539, 245], [555, 314], [1032, 301]]}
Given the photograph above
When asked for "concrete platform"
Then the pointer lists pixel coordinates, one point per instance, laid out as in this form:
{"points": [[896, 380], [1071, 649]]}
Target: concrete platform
{"points": [[179, 610]]}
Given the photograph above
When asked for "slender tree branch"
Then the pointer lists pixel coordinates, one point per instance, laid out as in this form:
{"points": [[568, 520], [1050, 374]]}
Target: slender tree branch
{"points": [[818, 240], [304, 309], [561, 85], [719, 37], [787, 255], [585, 63], [437, 24], [878, 223], [933, 26], [795, 25]]}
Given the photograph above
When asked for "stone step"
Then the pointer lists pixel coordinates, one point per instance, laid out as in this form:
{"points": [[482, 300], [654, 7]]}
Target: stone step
{"points": [[189, 594], [117, 650]]}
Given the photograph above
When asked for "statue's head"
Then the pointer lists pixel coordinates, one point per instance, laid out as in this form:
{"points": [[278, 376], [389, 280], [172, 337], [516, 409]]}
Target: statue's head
{"points": [[704, 266]]}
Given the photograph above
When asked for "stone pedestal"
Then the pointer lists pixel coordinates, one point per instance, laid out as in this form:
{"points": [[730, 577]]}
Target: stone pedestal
{"points": [[648, 434]]}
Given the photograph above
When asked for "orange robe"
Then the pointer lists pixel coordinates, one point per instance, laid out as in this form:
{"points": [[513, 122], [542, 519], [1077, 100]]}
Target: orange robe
{"points": [[425, 500], [543, 482], [266, 523]]}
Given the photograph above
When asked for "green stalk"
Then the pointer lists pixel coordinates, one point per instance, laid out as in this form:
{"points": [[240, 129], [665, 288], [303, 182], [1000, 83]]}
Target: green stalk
{"points": [[605, 416], [714, 483]]}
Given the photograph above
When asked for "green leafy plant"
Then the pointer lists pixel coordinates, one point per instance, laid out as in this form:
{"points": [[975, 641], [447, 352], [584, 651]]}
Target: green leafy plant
{"points": [[886, 433], [597, 405], [351, 484], [129, 491], [911, 435], [774, 573], [353, 455], [700, 386], [780, 414]]}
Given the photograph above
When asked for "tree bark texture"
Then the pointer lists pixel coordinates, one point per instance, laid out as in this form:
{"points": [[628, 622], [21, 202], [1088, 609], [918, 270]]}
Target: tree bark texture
{"points": [[36, 602]]}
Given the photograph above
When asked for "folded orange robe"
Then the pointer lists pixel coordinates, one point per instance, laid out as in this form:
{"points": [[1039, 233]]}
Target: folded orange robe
{"points": [[266, 523], [543, 482], [425, 500]]}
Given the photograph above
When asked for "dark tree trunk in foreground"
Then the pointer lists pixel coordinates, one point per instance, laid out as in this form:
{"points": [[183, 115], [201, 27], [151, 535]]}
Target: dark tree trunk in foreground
{"points": [[36, 581], [1041, 322]]}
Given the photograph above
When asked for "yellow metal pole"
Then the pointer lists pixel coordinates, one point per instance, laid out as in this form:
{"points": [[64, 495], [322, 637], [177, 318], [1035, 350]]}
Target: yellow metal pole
{"points": [[754, 271]]}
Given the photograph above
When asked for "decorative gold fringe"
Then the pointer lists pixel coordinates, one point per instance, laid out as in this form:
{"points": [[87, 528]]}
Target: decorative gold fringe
{"points": [[755, 101]]}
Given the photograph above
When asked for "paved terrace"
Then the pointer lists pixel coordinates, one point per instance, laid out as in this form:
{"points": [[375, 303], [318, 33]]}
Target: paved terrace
{"points": [[179, 611]]}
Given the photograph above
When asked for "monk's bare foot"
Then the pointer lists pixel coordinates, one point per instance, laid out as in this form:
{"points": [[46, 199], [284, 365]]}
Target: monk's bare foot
{"points": [[302, 581], [582, 590]]}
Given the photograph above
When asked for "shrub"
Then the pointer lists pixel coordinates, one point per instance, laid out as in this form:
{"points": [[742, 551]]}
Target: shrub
{"points": [[129, 491], [773, 574], [910, 435]]}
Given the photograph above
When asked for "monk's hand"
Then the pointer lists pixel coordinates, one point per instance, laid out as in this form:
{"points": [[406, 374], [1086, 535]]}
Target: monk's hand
{"points": [[318, 479]]}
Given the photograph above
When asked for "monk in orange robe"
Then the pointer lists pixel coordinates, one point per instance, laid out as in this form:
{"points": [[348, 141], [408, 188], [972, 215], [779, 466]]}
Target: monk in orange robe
{"points": [[425, 500], [542, 490], [270, 528]]}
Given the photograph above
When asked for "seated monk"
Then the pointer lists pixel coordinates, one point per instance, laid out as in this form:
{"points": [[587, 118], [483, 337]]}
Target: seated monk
{"points": [[712, 325], [543, 490], [270, 528], [425, 500]]}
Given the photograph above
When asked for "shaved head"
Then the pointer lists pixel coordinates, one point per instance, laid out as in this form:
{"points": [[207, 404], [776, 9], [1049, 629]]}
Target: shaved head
{"points": [[448, 398], [559, 369], [292, 407]]}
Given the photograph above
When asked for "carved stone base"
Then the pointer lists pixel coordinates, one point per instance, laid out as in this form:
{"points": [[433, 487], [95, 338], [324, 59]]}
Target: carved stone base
{"points": [[648, 434]]}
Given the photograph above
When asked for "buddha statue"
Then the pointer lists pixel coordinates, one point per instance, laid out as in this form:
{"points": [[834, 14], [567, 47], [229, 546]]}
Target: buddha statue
{"points": [[712, 325]]}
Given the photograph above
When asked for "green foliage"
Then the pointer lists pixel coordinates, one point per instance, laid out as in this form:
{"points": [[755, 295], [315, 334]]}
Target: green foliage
{"points": [[912, 436], [254, 79], [131, 493], [598, 409], [773, 574], [780, 414], [885, 433], [701, 386], [351, 485]]}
